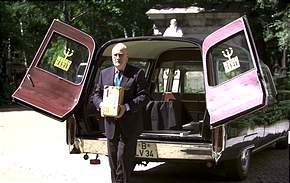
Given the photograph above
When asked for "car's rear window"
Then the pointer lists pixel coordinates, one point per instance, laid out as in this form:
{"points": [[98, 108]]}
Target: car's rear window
{"points": [[63, 58]]}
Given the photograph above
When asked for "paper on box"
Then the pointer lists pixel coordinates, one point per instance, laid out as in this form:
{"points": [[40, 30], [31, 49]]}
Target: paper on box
{"points": [[112, 97]]}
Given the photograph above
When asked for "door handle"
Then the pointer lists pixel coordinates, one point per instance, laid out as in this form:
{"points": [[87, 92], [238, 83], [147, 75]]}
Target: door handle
{"points": [[30, 79]]}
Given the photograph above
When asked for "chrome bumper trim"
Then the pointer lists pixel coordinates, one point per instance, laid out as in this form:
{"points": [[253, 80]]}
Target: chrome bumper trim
{"points": [[165, 150]]}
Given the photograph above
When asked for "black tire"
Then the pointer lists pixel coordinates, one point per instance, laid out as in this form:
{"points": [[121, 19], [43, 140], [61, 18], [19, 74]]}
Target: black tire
{"points": [[237, 169], [282, 143]]}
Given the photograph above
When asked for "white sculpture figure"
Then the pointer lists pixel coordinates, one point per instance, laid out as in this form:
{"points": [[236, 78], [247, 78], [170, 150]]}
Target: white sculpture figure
{"points": [[156, 32], [173, 30]]}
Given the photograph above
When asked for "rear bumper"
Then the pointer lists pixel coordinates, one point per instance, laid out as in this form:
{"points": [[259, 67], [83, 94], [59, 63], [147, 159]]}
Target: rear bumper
{"points": [[165, 150]]}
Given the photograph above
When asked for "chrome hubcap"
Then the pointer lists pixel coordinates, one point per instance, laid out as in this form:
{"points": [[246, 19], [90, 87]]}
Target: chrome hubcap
{"points": [[245, 160]]}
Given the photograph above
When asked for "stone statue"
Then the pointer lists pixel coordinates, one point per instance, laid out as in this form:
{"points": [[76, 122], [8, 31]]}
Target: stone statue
{"points": [[173, 30], [156, 31]]}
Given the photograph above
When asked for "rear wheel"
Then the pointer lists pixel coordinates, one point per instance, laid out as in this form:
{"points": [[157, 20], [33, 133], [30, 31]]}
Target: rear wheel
{"points": [[237, 169], [282, 143]]}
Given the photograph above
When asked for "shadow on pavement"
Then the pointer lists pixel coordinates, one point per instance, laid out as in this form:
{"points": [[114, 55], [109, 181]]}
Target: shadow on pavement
{"points": [[15, 107], [183, 172]]}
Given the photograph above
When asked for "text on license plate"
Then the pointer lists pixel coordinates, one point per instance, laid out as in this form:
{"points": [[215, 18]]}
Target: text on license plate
{"points": [[146, 150]]}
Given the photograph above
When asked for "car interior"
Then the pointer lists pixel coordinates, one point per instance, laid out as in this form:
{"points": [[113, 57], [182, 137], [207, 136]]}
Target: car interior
{"points": [[174, 72]]}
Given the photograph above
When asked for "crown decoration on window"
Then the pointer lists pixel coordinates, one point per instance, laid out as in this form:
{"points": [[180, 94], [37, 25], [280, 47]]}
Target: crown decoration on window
{"points": [[68, 52], [232, 63], [62, 62]]}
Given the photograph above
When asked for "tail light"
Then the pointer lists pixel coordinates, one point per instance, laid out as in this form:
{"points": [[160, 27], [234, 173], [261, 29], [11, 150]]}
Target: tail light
{"points": [[218, 139]]}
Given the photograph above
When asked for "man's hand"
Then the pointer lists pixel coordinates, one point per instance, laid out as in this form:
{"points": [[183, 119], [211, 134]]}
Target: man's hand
{"points": [[102, 111], [121, 112]]}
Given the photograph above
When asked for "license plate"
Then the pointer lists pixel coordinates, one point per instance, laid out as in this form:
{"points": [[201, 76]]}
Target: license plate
{"points": [[146, 150]]}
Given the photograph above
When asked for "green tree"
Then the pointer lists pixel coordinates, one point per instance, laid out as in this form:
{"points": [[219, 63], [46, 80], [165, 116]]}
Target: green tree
{"points": [[274, 17], [8, 41], [28, 21]]}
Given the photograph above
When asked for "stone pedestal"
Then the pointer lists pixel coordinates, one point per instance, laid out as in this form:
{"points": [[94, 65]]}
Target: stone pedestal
{"points": [[194, 21]]}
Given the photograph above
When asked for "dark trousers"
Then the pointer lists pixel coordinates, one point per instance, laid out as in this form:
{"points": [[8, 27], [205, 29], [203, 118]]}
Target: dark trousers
{"points": [[121, 152]]}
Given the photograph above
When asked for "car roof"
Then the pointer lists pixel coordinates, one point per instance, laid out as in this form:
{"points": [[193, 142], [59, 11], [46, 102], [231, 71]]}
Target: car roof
{"points": [[151, 47], [189, 39]]}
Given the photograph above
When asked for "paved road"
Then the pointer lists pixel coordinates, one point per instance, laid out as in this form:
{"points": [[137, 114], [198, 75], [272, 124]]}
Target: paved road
{"points": [[268, 166], [33, 150]]}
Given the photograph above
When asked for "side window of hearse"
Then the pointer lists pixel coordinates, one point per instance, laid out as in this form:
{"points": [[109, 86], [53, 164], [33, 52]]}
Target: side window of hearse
{"points": [[65, 58], [184, 77], [168, 80], [229, 59], [193, 82]]}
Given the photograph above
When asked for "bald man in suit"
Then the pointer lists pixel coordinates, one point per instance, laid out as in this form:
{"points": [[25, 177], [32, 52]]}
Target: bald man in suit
{"points": [[122, 131]]}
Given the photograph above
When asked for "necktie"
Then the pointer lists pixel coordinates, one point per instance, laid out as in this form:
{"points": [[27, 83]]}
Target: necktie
{"points": [[117, 80]]}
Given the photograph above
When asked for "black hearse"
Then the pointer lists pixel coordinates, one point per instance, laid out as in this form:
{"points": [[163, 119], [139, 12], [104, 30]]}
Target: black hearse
{"points": [[212, 101]]}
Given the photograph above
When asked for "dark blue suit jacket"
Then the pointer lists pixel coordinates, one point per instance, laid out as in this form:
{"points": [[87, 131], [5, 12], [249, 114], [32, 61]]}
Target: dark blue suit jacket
{"points": [[135, 95]]}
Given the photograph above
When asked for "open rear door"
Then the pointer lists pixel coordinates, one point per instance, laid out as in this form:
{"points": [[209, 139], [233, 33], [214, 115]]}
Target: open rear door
{"points": [[54, 82], [233, 78]]}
